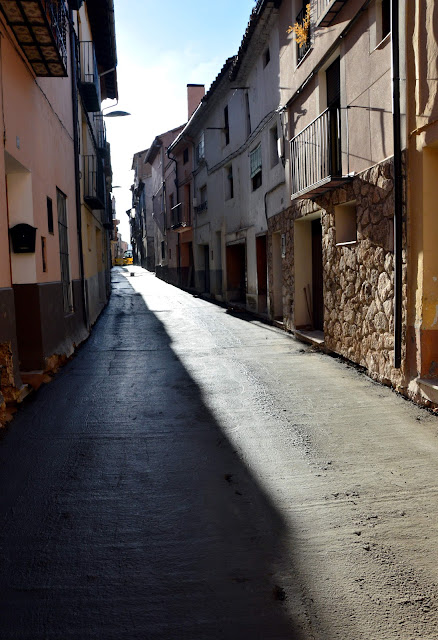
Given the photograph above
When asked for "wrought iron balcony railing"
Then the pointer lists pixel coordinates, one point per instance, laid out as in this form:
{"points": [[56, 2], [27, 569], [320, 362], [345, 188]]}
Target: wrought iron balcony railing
{"points": [[315, 156], [94, 186], [327, 10], [100, 132], [180, 218], [40, 27], [89, 81]]}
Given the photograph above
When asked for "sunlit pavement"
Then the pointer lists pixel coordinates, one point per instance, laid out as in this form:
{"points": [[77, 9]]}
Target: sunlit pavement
{"points": [[191, 474]]}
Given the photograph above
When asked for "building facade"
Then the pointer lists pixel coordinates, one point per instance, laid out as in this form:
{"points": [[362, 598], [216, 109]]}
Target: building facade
{"points": [[53, 150], [304, 183]]}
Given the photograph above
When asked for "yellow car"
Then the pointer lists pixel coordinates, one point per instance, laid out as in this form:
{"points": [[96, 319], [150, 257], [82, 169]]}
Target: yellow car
{"points": [[127, 257]]}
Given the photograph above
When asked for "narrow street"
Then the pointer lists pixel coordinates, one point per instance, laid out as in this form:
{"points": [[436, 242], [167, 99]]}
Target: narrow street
{"points": [[195, 474]]}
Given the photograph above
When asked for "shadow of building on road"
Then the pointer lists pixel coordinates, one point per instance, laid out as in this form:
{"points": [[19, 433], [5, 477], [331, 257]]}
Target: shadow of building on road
{"points": [[126, 511]]}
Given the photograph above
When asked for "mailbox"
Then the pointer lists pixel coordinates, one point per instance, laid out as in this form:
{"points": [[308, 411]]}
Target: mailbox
{"points": [[23, 238]]}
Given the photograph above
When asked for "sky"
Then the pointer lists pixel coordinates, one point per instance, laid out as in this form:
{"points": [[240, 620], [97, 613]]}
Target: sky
{"points": [[161, 47]]}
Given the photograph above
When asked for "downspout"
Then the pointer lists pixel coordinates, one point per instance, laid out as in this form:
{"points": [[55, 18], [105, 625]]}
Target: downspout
{"points": [[173, 159], [398, 185], [75, 97]]}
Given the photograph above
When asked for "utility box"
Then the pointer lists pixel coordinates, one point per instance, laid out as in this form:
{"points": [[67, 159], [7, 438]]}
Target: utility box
{"points": [[23, 238]]}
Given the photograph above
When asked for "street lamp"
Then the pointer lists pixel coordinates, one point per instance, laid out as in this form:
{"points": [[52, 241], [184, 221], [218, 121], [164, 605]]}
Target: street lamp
{"points": [[116, 114]]}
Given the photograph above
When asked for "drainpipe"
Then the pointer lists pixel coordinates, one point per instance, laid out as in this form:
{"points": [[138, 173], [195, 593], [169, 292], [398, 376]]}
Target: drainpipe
{"points": [[173, 159], [75, 97], [398, 185]]}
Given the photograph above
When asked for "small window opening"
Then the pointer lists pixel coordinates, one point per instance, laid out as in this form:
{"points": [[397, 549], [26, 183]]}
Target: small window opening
{"points": [[50, 215], [43, 253], [186, 155], [346, 223], [248, 115], [274, 146], [226, 126], [229, 182], [266, 57], [255, 159], [386, 18]]}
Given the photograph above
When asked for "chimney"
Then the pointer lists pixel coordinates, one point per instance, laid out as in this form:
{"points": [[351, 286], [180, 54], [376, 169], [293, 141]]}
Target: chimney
{"points": [[195, 93]]}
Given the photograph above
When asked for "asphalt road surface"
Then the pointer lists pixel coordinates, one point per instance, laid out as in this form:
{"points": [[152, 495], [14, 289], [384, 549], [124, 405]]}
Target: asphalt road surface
{"points": [[194, 474]]}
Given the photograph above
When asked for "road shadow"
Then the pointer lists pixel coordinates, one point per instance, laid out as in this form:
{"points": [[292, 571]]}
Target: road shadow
{"points": [[125, 510]]}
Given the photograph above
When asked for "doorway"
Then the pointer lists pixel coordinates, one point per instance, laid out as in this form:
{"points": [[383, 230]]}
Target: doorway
{"points": [[308, 274], [317, 276], [236, 272]]}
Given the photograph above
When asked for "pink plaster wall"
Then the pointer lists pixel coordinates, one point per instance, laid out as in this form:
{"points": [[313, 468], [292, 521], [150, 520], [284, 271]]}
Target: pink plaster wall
{"points": [[38, 112]]}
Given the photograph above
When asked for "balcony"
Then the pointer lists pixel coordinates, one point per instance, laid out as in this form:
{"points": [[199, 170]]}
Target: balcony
{"points": [[100, 133], [180, 218], [327, 10], [94, 187], [40, 28], [315, 156], [89, 81]]}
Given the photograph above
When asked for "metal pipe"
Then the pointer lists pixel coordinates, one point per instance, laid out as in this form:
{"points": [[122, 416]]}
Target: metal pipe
{"points": [[173, 159], [398, 185]]}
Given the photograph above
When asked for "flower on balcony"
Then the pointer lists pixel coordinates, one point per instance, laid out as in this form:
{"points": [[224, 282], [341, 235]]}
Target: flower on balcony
{"points": [[301, 28]]}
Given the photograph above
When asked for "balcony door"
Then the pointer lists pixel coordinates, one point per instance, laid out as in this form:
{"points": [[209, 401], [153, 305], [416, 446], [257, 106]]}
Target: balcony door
{"points": [[333, 78]]}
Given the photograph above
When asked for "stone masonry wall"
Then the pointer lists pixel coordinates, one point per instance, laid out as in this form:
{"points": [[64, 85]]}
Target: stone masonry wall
{"points": [[358, 278]]}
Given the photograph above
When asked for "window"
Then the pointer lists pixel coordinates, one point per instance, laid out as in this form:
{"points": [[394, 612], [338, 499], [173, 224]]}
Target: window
{"points": [[303, 37], [382, 26], [186, 155], [229, 182], [61, 201], [226, 126], [266, 57], [203, 196], [248, 115], [171, 205], [43, 253], [255, 159], [345, 223], [163, 250], [200, 150], [50, 215], [385, 18], [273, 136]]}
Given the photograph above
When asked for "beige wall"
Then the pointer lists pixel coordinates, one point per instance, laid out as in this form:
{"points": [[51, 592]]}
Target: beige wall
{"points": [[422, 95], [365, 69]]}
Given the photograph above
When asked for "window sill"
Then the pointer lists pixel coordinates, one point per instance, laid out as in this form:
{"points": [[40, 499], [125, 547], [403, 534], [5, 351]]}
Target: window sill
{"points": [[382, 44], [300, 62], [350, 243]]}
